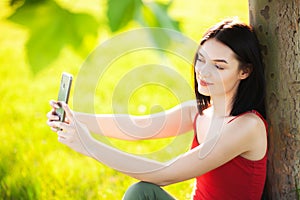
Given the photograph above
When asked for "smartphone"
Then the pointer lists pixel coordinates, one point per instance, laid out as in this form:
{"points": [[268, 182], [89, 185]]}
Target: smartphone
{"points": [[64, 93]]}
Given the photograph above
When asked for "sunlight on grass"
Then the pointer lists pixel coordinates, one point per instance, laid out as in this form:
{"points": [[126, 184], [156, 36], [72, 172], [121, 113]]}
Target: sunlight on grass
{"points": [[33, 165]]}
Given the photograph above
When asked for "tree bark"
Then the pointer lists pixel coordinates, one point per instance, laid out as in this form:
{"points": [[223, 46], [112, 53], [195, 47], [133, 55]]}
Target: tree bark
{"points": [[277, 24]]}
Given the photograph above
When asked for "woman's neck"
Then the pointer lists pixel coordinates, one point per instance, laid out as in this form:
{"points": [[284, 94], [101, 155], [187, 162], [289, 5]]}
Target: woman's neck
{"points": [[221, 106]]}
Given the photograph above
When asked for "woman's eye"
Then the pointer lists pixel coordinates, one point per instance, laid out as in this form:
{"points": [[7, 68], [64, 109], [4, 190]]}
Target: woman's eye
{"points": [[200, 60], [219, 67]]}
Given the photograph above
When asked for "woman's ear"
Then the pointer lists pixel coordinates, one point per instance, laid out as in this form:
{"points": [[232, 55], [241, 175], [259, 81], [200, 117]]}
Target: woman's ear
{"points": [[245, 72]]}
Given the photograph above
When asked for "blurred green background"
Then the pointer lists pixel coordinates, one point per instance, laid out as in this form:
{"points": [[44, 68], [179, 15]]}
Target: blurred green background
{"points": [[39, 39]]}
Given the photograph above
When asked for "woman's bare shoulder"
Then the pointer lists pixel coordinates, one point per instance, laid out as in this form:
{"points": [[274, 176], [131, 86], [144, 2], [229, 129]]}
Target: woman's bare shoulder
{"points": [[251, 119], [254, 129]]}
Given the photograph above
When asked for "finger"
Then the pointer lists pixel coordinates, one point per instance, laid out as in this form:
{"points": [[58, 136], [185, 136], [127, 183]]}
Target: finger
{"points": [[62, 133], [64, 137], [55, 129], [51, 115], [58, 125], [54, 104], [53, 126], [64, 140], [65, 126]]}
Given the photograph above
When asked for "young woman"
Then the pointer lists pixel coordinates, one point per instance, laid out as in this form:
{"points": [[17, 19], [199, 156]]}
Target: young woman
{"points": [[228, 154]]}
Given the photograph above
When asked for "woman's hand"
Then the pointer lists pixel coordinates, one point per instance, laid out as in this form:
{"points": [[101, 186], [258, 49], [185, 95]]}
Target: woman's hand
{"points": [[51, 115], [71, 132]]}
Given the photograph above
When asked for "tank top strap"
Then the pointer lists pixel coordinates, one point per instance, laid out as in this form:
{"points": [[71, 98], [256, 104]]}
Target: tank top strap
{"points": [[195, 142], [195, 120]]}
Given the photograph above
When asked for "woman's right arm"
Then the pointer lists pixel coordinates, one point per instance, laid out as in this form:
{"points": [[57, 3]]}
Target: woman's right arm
{"points": [[169, 123]]}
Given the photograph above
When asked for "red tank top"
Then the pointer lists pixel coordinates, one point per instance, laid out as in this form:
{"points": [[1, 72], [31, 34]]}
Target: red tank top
{"points": [[239, 178]]}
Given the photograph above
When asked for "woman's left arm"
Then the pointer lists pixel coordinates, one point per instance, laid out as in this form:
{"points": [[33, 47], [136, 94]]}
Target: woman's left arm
{"points": [[240, 136]]}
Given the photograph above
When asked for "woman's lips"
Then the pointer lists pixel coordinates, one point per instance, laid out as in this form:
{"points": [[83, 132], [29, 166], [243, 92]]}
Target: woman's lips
{"points": [[204, 83]]}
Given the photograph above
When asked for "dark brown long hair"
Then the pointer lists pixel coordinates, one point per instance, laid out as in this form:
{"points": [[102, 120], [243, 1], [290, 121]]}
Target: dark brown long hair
{"points": [[241, 39]]}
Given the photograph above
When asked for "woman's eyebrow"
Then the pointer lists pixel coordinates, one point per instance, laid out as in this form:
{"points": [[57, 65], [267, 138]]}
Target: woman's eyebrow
{"points": [[214, 60], [220, 60]]}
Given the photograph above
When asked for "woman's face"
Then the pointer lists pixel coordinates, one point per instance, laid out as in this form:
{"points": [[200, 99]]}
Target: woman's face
{"points": [[217, 70]]}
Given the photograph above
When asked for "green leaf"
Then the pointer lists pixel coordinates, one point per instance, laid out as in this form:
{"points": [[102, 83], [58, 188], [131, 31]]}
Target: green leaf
{"points": [[43, 49], [120, 12], [51, 29], [155, 14], [27, 2]]}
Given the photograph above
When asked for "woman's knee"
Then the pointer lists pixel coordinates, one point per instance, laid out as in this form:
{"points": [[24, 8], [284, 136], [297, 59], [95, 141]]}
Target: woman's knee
{"points": [[138, 191], [146, 191]]}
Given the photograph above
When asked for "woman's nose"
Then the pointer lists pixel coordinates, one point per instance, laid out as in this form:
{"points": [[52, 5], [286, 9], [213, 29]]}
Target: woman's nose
{"points": [[202, 71]]}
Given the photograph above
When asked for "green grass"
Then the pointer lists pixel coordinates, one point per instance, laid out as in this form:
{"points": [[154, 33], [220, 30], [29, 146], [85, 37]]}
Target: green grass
{"points": [[33, 165]]}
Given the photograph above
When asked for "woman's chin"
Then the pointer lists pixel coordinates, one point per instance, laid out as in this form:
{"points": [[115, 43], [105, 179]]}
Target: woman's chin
{"points": [[204, 92]]}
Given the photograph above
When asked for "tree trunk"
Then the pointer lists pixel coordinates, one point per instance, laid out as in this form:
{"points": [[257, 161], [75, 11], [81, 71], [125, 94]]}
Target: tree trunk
{"points": [[277, 24]]}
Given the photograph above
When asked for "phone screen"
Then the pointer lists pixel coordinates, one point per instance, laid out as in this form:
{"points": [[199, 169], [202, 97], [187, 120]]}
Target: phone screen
{"points": [[63, 94]]}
